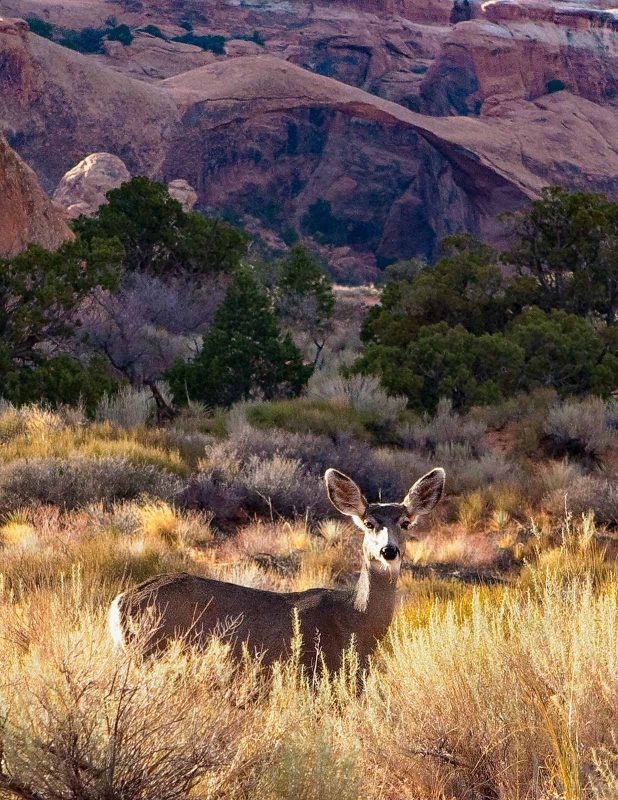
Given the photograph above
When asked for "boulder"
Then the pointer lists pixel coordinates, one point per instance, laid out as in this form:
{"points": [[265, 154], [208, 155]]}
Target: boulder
{"points": [[83, 188], [182, 191]]}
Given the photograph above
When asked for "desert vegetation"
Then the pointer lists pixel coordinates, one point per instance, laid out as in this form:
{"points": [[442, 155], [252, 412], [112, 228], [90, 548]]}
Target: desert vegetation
{"points": [[171, 403]]}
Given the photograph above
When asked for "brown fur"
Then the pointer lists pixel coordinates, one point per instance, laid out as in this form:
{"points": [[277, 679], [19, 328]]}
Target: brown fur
{"points": [[186, 606]]}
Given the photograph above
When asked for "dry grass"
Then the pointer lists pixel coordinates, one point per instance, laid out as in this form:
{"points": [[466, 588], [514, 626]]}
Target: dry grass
{"points": [[486, 692], [477, 692]]}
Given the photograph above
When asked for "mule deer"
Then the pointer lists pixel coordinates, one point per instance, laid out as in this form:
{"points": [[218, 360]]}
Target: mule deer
{"points": [[193, 608]]}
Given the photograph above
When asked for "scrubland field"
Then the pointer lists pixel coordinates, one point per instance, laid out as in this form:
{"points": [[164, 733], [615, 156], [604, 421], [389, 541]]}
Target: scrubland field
{"points": [[498, 679], [172, 399]]}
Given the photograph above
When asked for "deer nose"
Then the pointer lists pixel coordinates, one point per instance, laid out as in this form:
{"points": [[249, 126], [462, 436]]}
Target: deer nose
{"points": [[390, 552]]}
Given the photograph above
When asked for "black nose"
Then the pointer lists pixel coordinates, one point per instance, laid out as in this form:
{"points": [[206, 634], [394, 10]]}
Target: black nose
{"points": [[390, 552]]}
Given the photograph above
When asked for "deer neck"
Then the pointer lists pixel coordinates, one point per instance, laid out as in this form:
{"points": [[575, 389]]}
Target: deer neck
{"points": [[376, 595]]}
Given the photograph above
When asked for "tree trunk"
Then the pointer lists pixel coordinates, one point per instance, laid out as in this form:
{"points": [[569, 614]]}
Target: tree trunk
{"points": [[165, 412]]}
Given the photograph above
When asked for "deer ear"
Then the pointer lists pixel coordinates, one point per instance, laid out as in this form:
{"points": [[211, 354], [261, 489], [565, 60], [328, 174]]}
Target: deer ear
{"points": [[344, 494], [426, 492]]}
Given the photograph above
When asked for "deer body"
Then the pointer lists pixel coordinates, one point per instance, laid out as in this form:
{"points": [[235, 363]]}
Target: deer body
{"points": [[186, 606]]}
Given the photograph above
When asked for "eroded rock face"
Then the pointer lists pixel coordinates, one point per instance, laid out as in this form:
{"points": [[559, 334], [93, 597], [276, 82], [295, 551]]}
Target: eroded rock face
{"points": [[82, 189], [304, 121], [523, 52], [27, 216]]}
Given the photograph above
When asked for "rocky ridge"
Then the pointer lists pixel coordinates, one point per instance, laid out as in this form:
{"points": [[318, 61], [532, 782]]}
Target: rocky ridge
{"points": [[27, 216], [408, 124]]}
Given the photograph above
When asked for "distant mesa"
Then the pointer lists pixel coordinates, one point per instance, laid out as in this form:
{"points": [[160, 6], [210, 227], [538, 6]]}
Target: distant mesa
{"points": [[27, 215], [82, 189]]}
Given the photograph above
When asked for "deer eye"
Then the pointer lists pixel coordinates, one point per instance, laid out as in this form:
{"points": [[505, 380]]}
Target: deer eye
{"points": [[405, 524], [369, 525]]}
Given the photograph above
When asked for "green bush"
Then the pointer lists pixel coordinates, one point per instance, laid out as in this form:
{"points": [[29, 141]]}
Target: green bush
{"points": [[122, 34], [447, 362], [40, 293], [555, 85], [566, 250], [153, 30], [466, 287], [159, 237], [40, 27], [61, 380], [464, 330], [88, 40], [537, 350], [216, 44], [563, 351]]}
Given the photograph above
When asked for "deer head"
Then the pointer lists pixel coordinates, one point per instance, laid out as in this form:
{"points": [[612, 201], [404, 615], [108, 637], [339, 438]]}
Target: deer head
{"points": [[385, 526]]}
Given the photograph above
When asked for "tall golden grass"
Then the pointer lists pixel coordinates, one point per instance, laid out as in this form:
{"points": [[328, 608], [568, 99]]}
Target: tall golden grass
{"points": [[501, 691], [507, 691]]}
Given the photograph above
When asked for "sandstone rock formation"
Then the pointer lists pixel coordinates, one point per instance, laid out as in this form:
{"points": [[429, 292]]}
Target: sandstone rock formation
{"points": [[27, 216], [182, 191], [82, 190], [514, 95], [523, 52]]}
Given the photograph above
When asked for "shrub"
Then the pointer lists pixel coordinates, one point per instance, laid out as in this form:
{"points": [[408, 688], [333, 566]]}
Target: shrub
{"points": [[28, 421], [465, 473], [87, 40], [447, 362], [363, 392], [316, 453], [48, 288], [62, 380], [565, 245], [466, 287], [586, 494], [445, 427], [81, 720], [612, 414], [402, 271], [159, 237], [554, 85], [515, 409], [326, 774], [564, 351], [302, 415], [215, 44], [285, 487], [225, 499], [232, 489], [153, 30], [580, 428], [381, 473], [128, 408], [304, 299], [40, 27], [122, 34], [503, 658], [76, 481]]}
